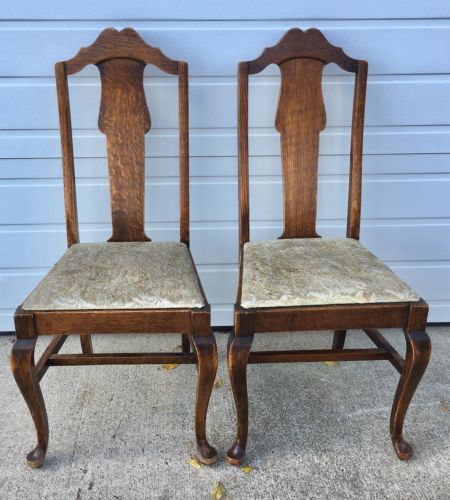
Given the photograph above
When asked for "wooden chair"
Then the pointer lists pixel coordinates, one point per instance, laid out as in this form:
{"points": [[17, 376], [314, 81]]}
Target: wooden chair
{"points": [[302, 282], [129, 284]]}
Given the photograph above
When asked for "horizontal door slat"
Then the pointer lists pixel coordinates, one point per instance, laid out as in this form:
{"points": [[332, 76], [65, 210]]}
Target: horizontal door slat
{"points": [[223, 142], [392, 47], [390, 241], [51, 168], [207, 10], [390, 101], [217, 201]]}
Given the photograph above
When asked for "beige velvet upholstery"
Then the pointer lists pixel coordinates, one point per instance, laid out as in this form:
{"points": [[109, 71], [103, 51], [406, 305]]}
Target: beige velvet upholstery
{"points": [[317, 271], [147, 275]]}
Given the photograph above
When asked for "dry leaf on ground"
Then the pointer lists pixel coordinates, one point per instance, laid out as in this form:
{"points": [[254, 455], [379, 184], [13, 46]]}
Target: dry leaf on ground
{"points": [[169, 366], [194, 462], [218, 492], [331, 363], [246, 469], [443, 404], [218, 383]]}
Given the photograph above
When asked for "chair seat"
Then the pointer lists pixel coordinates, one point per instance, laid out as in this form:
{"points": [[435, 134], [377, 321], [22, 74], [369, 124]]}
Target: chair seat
{"points": [[317, 271], [136, 275]]}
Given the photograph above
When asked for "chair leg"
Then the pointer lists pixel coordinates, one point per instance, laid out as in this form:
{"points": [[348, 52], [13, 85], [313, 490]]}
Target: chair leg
{"points": [[339, 339], [185, 344], [205, 347], [238, 352], [86, 344], [22, 365], [418, 351]]}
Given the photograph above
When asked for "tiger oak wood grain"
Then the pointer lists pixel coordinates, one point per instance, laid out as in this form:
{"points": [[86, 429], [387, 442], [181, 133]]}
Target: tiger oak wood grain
{"points": [[125, 119]]}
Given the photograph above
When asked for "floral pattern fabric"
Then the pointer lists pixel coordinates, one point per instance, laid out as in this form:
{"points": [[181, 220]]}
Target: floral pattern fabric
{"points": [[317, 271], [136, 275]]}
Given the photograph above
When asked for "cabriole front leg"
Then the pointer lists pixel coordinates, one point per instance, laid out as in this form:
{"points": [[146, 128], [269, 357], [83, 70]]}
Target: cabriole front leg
{"points": [[22, 365], [206, 350], [418, 351], [238, 352]]}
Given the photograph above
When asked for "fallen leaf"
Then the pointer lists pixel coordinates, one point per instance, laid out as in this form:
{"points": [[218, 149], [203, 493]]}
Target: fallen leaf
{"points": [[443, 404], [331, 363], [195, 462], [218, 492], [169, 366], [218, 383], [246, 469]]}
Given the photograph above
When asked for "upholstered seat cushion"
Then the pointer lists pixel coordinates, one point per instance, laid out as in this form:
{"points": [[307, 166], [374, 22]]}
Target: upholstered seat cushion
{"points": [[317, 271], [138, 275]]}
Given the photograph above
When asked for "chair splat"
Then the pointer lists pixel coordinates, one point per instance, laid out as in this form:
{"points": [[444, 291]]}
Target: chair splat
{"points": [[300, 118], [125, 119]]}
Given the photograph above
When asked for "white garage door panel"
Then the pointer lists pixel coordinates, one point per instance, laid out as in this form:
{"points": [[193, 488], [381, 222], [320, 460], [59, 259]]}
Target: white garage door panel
{"points": [[51, 168], [29, 203], [223, 142], [390, 101], [215, 48], [439, 311], [205, 9], [430, 280], [220, 284], [42, 247], [406, 201]]}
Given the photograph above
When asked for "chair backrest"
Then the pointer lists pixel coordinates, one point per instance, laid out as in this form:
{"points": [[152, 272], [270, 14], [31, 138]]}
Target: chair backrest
{"points": [[301, 57], [121, 57]]}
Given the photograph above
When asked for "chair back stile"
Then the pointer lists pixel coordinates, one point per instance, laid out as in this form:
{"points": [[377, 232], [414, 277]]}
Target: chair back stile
{"points": [[301, 57], [124, 118]]}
